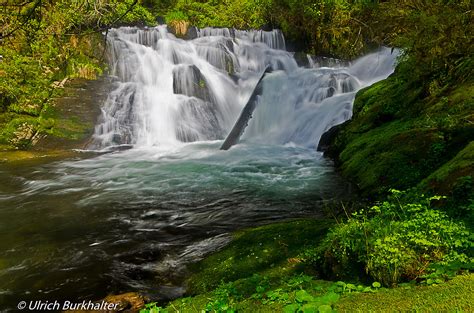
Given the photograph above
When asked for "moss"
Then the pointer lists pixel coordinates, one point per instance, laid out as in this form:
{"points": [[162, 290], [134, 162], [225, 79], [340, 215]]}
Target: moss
{"points": [[400, 135], [270, 250], [65, 122], [242, 300], [395, 155], [382, 102], [54, 123], [445, 177], [22, 156], [454, 296]]}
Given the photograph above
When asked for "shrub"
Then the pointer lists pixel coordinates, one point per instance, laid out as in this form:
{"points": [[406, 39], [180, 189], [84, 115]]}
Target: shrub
{"points": [[396, 240]]}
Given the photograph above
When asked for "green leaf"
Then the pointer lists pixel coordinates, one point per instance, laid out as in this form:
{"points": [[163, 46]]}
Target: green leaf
{"points": [[351, 286], [330, 298], [311, 308], [303, 296], [325, 309], [291, 308], [376, 284]]}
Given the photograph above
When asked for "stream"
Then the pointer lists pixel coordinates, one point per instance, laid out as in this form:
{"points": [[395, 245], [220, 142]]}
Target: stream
{"points": [[157, 193]]}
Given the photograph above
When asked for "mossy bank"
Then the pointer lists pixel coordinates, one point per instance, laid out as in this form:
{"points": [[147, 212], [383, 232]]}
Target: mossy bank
{"points": [[65, 123], [266, 269], [409, 135]]}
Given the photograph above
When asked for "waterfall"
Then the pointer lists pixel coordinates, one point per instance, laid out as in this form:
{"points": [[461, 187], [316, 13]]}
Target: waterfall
{"points": [[168, 91]]}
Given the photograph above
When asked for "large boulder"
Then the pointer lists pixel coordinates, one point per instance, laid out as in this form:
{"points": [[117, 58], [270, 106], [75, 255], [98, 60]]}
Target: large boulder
{"points": [[188, 80]]}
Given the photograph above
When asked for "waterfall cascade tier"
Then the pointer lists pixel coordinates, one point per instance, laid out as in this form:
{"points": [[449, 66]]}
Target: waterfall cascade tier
{"points": [[169, 91]]}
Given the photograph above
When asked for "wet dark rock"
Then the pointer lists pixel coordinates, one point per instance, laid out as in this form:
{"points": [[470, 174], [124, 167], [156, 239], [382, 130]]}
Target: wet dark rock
{"points": [[301, 59], [331, 92], [188, 80], [328, 137], [196, 109], [191, 33], [320, 61]]}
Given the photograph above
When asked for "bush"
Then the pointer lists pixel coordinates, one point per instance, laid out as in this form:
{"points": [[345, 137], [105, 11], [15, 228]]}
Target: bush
{"points": [[397, 240], [44, 42]]}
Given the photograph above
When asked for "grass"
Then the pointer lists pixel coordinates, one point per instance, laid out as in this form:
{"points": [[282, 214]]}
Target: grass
{"points": [[456, 295]]}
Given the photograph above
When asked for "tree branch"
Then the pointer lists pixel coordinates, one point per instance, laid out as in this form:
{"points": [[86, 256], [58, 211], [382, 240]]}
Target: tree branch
{"points": [[126, 12]]}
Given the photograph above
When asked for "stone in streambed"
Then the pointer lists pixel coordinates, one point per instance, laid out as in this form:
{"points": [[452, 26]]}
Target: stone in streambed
{"points": [[127, 302]]}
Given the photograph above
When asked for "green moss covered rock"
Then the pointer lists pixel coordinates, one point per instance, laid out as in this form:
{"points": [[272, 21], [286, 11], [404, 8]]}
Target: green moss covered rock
{"points": [[402, 134]]}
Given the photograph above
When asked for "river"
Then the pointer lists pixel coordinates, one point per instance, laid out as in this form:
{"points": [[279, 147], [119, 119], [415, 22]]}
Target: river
{"points": [[154, 192]]}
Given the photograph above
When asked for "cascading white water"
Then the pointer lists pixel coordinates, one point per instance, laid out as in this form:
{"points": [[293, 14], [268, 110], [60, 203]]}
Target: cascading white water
{"points": [[298, 106], [170, 91], [131, 220]]}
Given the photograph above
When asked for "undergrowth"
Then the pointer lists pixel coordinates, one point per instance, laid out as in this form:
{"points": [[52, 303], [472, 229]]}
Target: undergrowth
{"points": [[401, 239]]}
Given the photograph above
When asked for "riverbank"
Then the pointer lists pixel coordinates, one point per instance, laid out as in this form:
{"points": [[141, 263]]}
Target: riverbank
{"points": [[111, 223], [264, 269], [66, 125], [414, 137]]}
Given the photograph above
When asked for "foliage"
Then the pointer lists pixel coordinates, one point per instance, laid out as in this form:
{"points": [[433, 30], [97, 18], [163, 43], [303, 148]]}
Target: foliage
{"points": [[436, 37], [292, 294], [153, 308], [302, 293], [340, 28], [324, 27], [273, 289], [44, 42], [239, 14], [397, 240]]}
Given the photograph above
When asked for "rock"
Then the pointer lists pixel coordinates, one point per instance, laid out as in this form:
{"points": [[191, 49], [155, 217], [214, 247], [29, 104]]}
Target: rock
{"points": [[127, 302], [331, 92], [25, 136], [301, 59], [179, 28], [328, 137], [188, 80], [191, 33], [183, 30]]}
